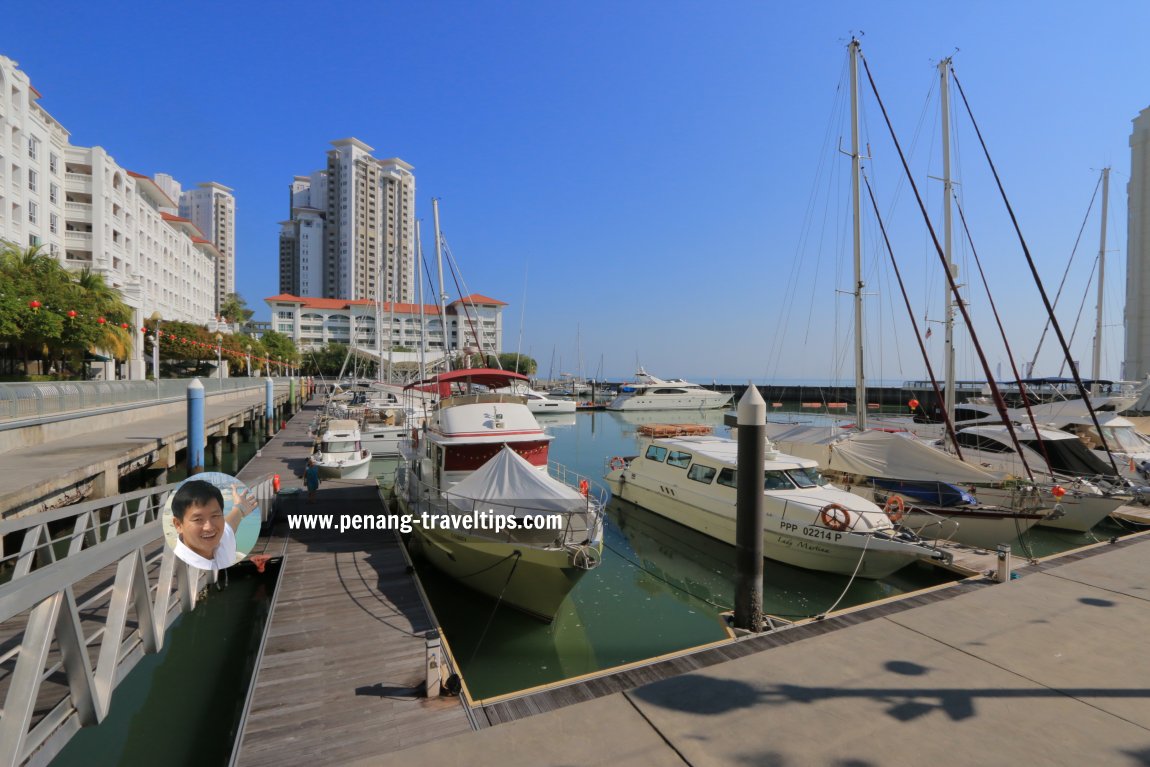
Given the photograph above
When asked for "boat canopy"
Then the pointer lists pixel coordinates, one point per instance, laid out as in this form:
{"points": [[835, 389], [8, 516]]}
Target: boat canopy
{"points": [[874, 453], [492, 378], [509, 485]]}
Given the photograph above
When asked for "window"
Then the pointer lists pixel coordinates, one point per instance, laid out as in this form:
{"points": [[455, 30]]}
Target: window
{"points": [[776, 480], [806, 477], [979, 442], [31, 180], [53, 194], [32, 211], [655, 453], [728, 477], [679, 459], [53, 164], [701, 473], [33, 147], [53, 222]]}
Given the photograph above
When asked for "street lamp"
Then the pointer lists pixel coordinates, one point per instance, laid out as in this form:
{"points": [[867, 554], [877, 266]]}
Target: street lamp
{"points": [[155, 338], [248, 349], [220, 356]]}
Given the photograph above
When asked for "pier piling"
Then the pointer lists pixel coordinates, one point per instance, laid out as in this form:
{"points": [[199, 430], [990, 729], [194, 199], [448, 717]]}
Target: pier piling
{"points": [[195, 459], [752, 422]]}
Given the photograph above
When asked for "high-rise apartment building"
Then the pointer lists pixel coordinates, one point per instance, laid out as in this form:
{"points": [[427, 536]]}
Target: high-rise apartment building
{"points": [[351, 233], [1137, 357], [212, 208]]}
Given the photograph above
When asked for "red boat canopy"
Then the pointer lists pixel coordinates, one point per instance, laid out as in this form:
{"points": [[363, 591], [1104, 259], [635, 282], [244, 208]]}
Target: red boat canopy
{"points": [[492, 378]]}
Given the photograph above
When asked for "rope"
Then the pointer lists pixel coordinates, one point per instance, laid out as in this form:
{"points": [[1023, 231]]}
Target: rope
{"points": [[850, 583], [498, 602]]}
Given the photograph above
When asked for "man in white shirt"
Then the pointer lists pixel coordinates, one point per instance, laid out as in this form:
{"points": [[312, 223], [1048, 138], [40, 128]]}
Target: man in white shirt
{"points": [[205, 538]]}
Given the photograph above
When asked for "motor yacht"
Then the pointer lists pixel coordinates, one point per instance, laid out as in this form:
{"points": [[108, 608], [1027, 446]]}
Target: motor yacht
{"points": [[340, 454], [651, 393]]}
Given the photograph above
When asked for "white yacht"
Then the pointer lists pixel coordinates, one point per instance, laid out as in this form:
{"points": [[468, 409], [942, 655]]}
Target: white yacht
{"points": [[340, 453], [807, 521], [651, 393], [539, 403]]}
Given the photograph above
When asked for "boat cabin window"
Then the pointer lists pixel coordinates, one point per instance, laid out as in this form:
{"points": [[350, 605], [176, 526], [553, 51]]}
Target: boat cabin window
{"points": [[339, 447], [728, 477], [679, 460], [668, 391], [985, 444], [655, 453], [1125, 439], [806, 477], [701, 473], [776, 480]]}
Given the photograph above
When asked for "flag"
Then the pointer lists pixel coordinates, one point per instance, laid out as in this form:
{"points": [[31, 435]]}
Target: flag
{"points": [[928, 332]]}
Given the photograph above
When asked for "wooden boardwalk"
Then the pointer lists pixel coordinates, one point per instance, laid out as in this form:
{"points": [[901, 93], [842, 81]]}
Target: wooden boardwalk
{"points": [[342, 669]]}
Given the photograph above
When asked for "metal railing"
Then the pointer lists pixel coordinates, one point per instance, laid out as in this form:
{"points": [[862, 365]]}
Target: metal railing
{"points": [[94, 580], [32, 400]]}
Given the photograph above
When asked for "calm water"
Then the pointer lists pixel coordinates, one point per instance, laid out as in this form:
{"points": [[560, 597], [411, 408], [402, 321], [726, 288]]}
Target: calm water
{"points": [[660, 588]]}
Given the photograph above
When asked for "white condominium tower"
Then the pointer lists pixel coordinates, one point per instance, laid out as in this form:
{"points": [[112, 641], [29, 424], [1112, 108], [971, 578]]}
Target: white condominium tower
{"points": [[351, 234], [1137, 364], [212, 208]]}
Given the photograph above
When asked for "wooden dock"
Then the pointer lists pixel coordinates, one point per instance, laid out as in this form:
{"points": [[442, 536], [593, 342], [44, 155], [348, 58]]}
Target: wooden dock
{"points": [[341, 672]]}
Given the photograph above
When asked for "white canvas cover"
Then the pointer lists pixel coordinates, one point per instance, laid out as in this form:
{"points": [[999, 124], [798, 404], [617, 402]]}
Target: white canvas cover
{"points": [[874, 454], [509, 484]]}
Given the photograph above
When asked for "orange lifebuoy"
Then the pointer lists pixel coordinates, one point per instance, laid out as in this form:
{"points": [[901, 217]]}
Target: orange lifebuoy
{"points": [[617, 463], [895, 508], [835, 516]]}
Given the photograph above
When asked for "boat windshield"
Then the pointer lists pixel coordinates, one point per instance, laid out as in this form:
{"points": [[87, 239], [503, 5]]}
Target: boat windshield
{"points": [[1124, 439], [807, 477], [339, 447], [776, 480]]}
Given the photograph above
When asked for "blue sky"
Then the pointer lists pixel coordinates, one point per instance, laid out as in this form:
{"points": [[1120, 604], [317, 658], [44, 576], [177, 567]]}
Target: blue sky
{"points": [[660, 180]]}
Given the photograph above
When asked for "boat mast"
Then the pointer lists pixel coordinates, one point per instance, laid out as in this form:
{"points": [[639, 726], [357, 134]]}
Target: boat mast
{"points": [[393, 288], [947, 239], [856, 167], [1096, 371], [442, 294], [422, 317]]}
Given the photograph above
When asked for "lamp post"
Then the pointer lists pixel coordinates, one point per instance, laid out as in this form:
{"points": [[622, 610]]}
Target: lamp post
{"points": [[155, 338], [248, 349], [220, 356]]}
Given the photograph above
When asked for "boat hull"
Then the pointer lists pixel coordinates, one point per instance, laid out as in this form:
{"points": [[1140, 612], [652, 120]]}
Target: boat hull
{"points": [[807, 546], [710, 401], [357, 469], [532, 580], [1077, 513]]}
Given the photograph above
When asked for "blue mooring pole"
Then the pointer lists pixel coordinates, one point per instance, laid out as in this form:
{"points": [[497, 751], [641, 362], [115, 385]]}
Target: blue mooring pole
{"points": [[195, 427], [752, 451], [270, 405]]}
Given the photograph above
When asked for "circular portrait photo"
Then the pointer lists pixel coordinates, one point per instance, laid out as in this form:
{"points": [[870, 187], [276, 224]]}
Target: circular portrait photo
{"points": [[211, 520]]}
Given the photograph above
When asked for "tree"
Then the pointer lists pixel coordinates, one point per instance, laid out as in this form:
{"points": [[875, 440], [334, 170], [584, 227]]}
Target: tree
{"points": [[235, 309], [280, 347], [519, 363]]}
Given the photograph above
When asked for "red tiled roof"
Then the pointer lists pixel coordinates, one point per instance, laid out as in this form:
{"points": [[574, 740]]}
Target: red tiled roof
{"points": [[311, 302], [134, 174], [170, 217], [478, 298]]}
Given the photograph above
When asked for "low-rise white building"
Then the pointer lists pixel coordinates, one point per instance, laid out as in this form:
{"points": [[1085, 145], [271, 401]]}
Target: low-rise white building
{"points": [[475, 321]]}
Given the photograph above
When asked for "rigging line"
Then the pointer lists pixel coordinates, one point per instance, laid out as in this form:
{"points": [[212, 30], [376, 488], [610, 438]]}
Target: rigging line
{"points": [[1037, 279], [1073, 251], [999, 403], [914, 326], [1081, 306], [470, 315], [1005, 342]]}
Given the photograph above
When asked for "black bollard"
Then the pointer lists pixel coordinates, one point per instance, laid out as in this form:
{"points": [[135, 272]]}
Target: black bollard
{"points": [[752, 422]]}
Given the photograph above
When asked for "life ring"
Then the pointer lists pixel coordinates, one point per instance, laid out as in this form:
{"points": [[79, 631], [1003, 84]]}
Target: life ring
{"points": [[835, 516], [617, 463], [895, 508]]}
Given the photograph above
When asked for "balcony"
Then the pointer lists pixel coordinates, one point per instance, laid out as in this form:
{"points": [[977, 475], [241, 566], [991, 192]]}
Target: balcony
{"points": [[78, 211], [78, 182], [80, 240]]}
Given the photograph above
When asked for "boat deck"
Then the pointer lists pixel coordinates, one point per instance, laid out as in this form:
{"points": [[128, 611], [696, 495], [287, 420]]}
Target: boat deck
{"points": [[675, 430]]}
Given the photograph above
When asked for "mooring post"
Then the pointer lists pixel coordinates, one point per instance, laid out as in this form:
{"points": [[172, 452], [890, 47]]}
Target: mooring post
{"points": [[752, 423], [434, 652], [195, 462], [1002, 573], [270, 405]]}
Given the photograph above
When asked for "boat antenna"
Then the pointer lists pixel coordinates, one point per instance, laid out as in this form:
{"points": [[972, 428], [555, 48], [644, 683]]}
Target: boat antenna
{"points": [[442, 295], [422, 322]]}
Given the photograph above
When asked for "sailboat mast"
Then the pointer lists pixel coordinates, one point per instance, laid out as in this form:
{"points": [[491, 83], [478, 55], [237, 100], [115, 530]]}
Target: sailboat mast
{"points": [[422, 316], [1096, 371], [856, 167], [948, 393], [442, 294]]}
